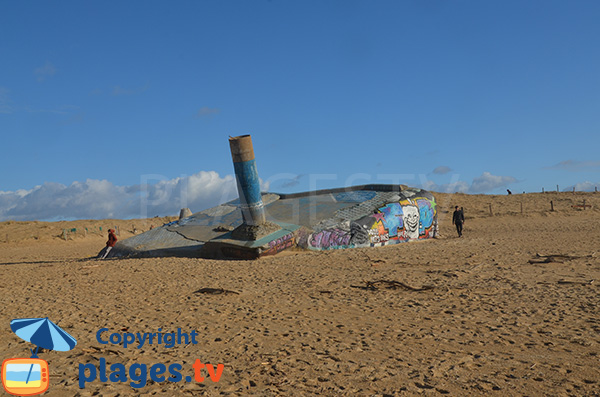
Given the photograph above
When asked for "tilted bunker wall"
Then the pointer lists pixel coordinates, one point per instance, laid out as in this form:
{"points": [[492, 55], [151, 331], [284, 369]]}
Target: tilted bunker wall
{"points": [[412, 216]]}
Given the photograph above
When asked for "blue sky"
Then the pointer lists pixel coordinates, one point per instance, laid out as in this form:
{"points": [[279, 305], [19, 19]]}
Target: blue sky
{"points": [[106, 104]]}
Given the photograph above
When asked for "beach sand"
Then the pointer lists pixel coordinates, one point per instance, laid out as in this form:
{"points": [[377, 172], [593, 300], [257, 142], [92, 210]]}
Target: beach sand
{"points": [[510, 309]]}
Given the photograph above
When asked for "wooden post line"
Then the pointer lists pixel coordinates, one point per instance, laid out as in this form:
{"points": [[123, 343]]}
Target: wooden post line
{"points": [[584, 206]]}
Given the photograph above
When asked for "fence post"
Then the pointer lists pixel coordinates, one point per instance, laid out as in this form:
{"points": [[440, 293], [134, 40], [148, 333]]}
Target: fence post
{"points": [[551, 206], [573, 189], [491, 213], [584, 204], [542, 190], [521, 207], [557, 189]]}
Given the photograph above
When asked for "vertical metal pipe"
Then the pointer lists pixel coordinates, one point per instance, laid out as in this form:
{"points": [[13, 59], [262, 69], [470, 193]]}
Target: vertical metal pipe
{"points": [[248, 184]]}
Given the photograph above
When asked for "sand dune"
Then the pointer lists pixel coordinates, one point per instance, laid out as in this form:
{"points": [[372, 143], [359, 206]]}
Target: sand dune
{"points": [[510, 309]]}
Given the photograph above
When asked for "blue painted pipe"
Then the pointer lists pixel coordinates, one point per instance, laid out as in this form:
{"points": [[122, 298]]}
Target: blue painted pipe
{"points": [[248, 184]]}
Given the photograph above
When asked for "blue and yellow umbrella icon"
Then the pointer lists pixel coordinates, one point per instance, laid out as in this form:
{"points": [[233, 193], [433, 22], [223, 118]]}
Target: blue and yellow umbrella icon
{"points": [[43, 333]]}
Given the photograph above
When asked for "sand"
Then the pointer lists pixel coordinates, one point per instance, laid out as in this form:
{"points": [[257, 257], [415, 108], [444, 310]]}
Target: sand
{"points": [[510, 309]]}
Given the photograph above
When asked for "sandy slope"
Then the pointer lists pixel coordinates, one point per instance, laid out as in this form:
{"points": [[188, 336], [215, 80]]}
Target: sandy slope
{"points": [[300, 323]]}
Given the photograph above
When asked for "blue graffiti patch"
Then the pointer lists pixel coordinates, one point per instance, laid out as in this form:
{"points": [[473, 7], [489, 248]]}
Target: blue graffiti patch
{"points": [[426, 214], [392, 218]]}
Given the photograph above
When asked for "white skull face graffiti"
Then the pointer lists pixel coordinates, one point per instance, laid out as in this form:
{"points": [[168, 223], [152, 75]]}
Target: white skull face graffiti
{"points": [[411, 221]]}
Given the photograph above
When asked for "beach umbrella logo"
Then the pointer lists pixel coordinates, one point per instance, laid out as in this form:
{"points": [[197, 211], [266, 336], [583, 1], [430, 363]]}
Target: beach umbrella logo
{"points": [[30, 376], [42, 333]]}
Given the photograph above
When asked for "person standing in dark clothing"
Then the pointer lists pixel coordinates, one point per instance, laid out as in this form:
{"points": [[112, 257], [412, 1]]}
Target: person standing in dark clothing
{"points": [[458, 218], [112, 240]]}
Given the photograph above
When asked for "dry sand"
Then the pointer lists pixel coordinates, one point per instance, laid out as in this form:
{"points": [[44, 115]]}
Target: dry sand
{"points": [[300, 323]]}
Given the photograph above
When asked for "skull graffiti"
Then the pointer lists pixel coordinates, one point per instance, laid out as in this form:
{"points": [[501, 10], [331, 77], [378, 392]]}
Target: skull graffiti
{"points": [[411, 221]]}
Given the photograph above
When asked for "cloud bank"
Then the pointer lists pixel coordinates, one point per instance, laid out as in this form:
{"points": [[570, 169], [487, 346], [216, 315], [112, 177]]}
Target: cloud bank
{"points": [[156, 195], [101, 199], [484, 183], [574, 165]]}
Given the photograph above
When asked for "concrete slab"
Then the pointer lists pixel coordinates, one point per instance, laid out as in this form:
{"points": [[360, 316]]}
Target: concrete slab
{"points": [[358, 216], [226, 246]]}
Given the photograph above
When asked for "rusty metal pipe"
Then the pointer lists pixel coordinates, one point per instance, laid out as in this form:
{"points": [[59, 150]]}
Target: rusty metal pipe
{"points": [[248, 184]]}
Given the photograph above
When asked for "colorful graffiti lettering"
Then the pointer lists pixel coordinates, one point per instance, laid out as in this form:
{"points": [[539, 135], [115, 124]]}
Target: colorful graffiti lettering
{"points": [[330, 238], [280, 244], [378, 233], [408, 219]]}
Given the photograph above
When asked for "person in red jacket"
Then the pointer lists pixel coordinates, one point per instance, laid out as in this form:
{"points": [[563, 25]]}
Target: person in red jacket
{"points": [[112, 240]]}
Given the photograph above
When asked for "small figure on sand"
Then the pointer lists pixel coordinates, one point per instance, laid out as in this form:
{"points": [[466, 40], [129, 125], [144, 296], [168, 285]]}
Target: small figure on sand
{"points": [[458, 218], [112, 240]]}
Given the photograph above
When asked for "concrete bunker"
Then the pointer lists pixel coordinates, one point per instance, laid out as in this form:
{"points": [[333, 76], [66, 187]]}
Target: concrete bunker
{"points": [[259, 224]]}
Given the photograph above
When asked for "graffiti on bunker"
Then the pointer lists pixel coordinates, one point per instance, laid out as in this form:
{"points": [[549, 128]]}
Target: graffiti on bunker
{"points": [[329, 238], [408, 219], [428, 217], [280, 244]]}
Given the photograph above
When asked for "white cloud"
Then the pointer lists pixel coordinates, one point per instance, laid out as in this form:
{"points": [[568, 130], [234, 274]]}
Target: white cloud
{"points": [[45, 71], [206, 111], [487, 182], [441, 170], [99, 199], [586, 186], [574, 165], [454, 187], [481, 184]]}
